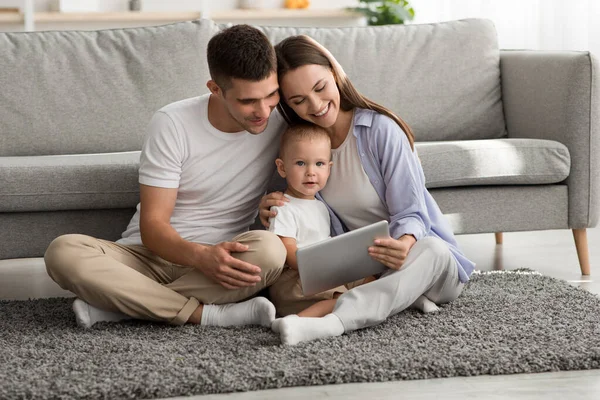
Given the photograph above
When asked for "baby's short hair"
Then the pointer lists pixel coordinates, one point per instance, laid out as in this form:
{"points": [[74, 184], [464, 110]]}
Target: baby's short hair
{"points": [[298, 132]]}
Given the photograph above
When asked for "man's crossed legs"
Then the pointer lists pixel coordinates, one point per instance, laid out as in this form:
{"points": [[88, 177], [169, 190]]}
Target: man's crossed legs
{"points": [[115, 282]]}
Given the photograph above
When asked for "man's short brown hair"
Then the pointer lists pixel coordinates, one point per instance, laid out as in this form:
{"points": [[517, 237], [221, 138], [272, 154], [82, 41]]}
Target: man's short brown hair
{"points": [[240, 52], [302, 131]]}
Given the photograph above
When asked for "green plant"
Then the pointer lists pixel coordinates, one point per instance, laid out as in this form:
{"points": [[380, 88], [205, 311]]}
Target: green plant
{"points": [[385, 12]]}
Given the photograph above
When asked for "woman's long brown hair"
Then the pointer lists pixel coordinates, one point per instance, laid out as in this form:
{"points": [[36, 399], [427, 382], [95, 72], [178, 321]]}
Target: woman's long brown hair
{"points": [[297, 51]]}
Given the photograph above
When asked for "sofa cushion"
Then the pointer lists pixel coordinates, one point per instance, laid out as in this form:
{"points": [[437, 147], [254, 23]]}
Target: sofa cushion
{"points": [[74, 92], [104, 181], [494, 162], [443, 78], [69, 182]]}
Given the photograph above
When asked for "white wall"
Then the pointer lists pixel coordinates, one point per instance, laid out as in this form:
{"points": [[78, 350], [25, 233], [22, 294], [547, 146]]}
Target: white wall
{"points": [[44, 5], [314, 4], [188, 5], [525, 24], [183, 5]]}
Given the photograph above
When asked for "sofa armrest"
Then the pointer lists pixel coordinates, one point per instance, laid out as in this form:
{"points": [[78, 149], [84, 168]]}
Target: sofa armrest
{"points": [[555, 96]]}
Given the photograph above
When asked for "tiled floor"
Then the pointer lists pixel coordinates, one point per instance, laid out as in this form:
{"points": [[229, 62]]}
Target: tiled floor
{"points": [[550, 252]]}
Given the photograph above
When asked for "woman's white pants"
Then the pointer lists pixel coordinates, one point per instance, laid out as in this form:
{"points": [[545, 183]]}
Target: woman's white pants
{"points": [[429, 270]]}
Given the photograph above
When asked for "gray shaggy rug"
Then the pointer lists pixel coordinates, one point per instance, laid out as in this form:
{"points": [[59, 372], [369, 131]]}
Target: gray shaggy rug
{"points": [[504, 323]]}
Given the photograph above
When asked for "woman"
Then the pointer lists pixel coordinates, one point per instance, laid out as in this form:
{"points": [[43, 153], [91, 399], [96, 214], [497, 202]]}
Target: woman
{"points": [[375, 175]]}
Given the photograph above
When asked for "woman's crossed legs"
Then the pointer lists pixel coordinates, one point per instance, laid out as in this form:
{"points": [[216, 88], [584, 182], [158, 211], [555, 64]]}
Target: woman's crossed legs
{"points": [[429, 270]]}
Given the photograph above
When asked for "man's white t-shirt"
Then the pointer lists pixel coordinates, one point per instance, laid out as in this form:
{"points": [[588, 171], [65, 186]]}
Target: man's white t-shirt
{"points": [[220, 176], [307, 221]]}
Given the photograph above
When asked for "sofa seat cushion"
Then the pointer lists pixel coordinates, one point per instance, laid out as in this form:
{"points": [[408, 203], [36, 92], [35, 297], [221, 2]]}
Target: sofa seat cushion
{"points": [[493, 162], [69, 182], [110, 180]]}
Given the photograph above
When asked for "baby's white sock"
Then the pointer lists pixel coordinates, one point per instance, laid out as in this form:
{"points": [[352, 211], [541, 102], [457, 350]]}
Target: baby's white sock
{"points": [[425, 305], [256, 311], [87, 315], [294, 329], [276, 325]]}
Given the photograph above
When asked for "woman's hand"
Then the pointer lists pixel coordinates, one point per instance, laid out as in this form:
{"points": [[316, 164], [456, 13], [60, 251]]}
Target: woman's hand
{"points": [[392, 252], [267, 201]]}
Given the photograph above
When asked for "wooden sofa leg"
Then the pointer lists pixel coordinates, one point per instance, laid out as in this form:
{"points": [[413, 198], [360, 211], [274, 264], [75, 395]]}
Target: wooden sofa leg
{"points": [[581, 243], [498, 237]]}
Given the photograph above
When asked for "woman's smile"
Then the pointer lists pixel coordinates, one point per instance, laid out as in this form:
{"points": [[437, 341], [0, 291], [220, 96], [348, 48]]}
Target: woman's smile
{"points": [[323, 112]]}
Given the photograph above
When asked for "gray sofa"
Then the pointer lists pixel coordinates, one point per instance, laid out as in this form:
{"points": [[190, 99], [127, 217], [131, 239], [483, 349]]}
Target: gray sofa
{"points": [[508, 140]]}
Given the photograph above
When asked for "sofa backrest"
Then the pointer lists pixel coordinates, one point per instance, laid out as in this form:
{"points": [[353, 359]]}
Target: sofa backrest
{"points": [[94, 91], [443, 78]]}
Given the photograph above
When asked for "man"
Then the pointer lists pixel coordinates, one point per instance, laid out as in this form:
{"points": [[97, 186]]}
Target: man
{"points": [[187, 255]]}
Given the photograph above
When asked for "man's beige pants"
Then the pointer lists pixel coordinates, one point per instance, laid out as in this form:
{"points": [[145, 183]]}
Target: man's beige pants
{"points": [[134, 281]]}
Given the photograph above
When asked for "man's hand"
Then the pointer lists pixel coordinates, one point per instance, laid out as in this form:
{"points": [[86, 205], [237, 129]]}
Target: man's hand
{"points": [[267, 201], [392, 252], [218, 264]]}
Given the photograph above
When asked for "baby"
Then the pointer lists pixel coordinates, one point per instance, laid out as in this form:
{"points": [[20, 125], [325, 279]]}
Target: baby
{"points": [[305, 163]]}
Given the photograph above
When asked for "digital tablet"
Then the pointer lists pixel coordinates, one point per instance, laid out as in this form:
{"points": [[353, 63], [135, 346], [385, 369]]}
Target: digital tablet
{"points": [[342, 259]]}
